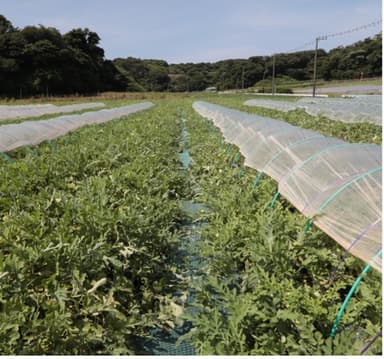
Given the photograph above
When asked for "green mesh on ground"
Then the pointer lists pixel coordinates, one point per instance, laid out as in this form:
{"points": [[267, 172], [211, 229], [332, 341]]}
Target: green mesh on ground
{"points": [[169, 346], [164, 343], [184, 348]]}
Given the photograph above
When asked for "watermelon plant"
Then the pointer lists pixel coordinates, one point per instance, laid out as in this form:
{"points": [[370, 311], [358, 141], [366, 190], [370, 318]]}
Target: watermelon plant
{"points": [[351, 132], [88, 231], [266, 290], [90, 257]]}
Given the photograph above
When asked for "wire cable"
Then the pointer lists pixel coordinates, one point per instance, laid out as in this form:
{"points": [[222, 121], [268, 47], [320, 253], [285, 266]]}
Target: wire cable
{"points": [[340, 33]]}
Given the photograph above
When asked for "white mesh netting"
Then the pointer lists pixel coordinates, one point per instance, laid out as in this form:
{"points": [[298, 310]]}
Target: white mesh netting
{"points": [[25, 111], [34, 132], [336, 183], [363, 108]]}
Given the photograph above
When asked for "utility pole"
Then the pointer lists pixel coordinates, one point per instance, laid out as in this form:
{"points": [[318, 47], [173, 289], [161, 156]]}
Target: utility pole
{"points": [[314, 68], [315, 63], [242, 78], [273, 74]]}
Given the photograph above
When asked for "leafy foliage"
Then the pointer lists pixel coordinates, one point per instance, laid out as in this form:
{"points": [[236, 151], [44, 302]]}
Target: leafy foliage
{"points": [[90, 234], [266, 288], [41, 61], [88, 228], [363, 132]]}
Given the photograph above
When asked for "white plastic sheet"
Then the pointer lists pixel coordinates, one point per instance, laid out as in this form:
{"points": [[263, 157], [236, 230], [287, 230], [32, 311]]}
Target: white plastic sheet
{"points": [[362, 108], [336, 183], [34, 132], [27, 111]]}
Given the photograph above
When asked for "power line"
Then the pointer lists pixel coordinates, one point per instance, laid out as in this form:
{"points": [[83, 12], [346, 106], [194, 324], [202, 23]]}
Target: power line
{"points": [[345, 32], [341, 33], [326, 37], [307, 44], [316, 43]]}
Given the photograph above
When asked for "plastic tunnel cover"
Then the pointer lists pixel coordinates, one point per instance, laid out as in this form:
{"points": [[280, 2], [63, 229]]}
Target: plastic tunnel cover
{"points": [[337, 183], [356, 109], [327, 170], [267, 144], [34, 132], [300, 139], [293, 156], [19, 111], [354, 216]]}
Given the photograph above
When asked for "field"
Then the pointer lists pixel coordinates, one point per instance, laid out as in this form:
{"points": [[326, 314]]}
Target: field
{"points": [[287, 84], [99, 253]]}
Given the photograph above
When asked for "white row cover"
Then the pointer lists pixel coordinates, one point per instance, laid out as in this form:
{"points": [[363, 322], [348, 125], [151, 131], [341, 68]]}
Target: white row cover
{"points": [[337, 184], [349, 109], [24, 111], [34, 132]]}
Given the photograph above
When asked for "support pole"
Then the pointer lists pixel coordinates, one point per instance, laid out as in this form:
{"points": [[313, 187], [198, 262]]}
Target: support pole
{"points": [[350, 294], [6, 157], [240, 172], [234, 159], [273, 75], [257, 179], [315, 64], [308, 226], [229, 149], [379, 334], [274, 199], [315, 68]]}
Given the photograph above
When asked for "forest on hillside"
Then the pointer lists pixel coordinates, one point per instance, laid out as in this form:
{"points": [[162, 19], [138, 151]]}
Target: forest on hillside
{"points": [[38, 60]]}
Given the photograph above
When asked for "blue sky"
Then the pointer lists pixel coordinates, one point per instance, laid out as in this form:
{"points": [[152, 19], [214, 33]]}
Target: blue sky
{"points": [[201, 30]]}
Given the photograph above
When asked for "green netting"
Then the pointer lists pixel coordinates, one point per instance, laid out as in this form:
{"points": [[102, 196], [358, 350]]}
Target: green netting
{"points": [[169, 343], [170, 348]]}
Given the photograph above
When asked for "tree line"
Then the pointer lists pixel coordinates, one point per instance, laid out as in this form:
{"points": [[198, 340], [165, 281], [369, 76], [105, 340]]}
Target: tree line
{"points": [[361, 59], [38, 60]]}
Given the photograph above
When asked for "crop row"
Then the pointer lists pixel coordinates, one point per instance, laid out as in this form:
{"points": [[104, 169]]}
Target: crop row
{"points": [[268, 287], [350, 132], [108, 104], [88, 228], [89, 237], [355, 109]]}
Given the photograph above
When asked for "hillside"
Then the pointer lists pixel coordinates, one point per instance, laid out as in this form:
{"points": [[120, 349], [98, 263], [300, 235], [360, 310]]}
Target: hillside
{"points": [[38, 60]]}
